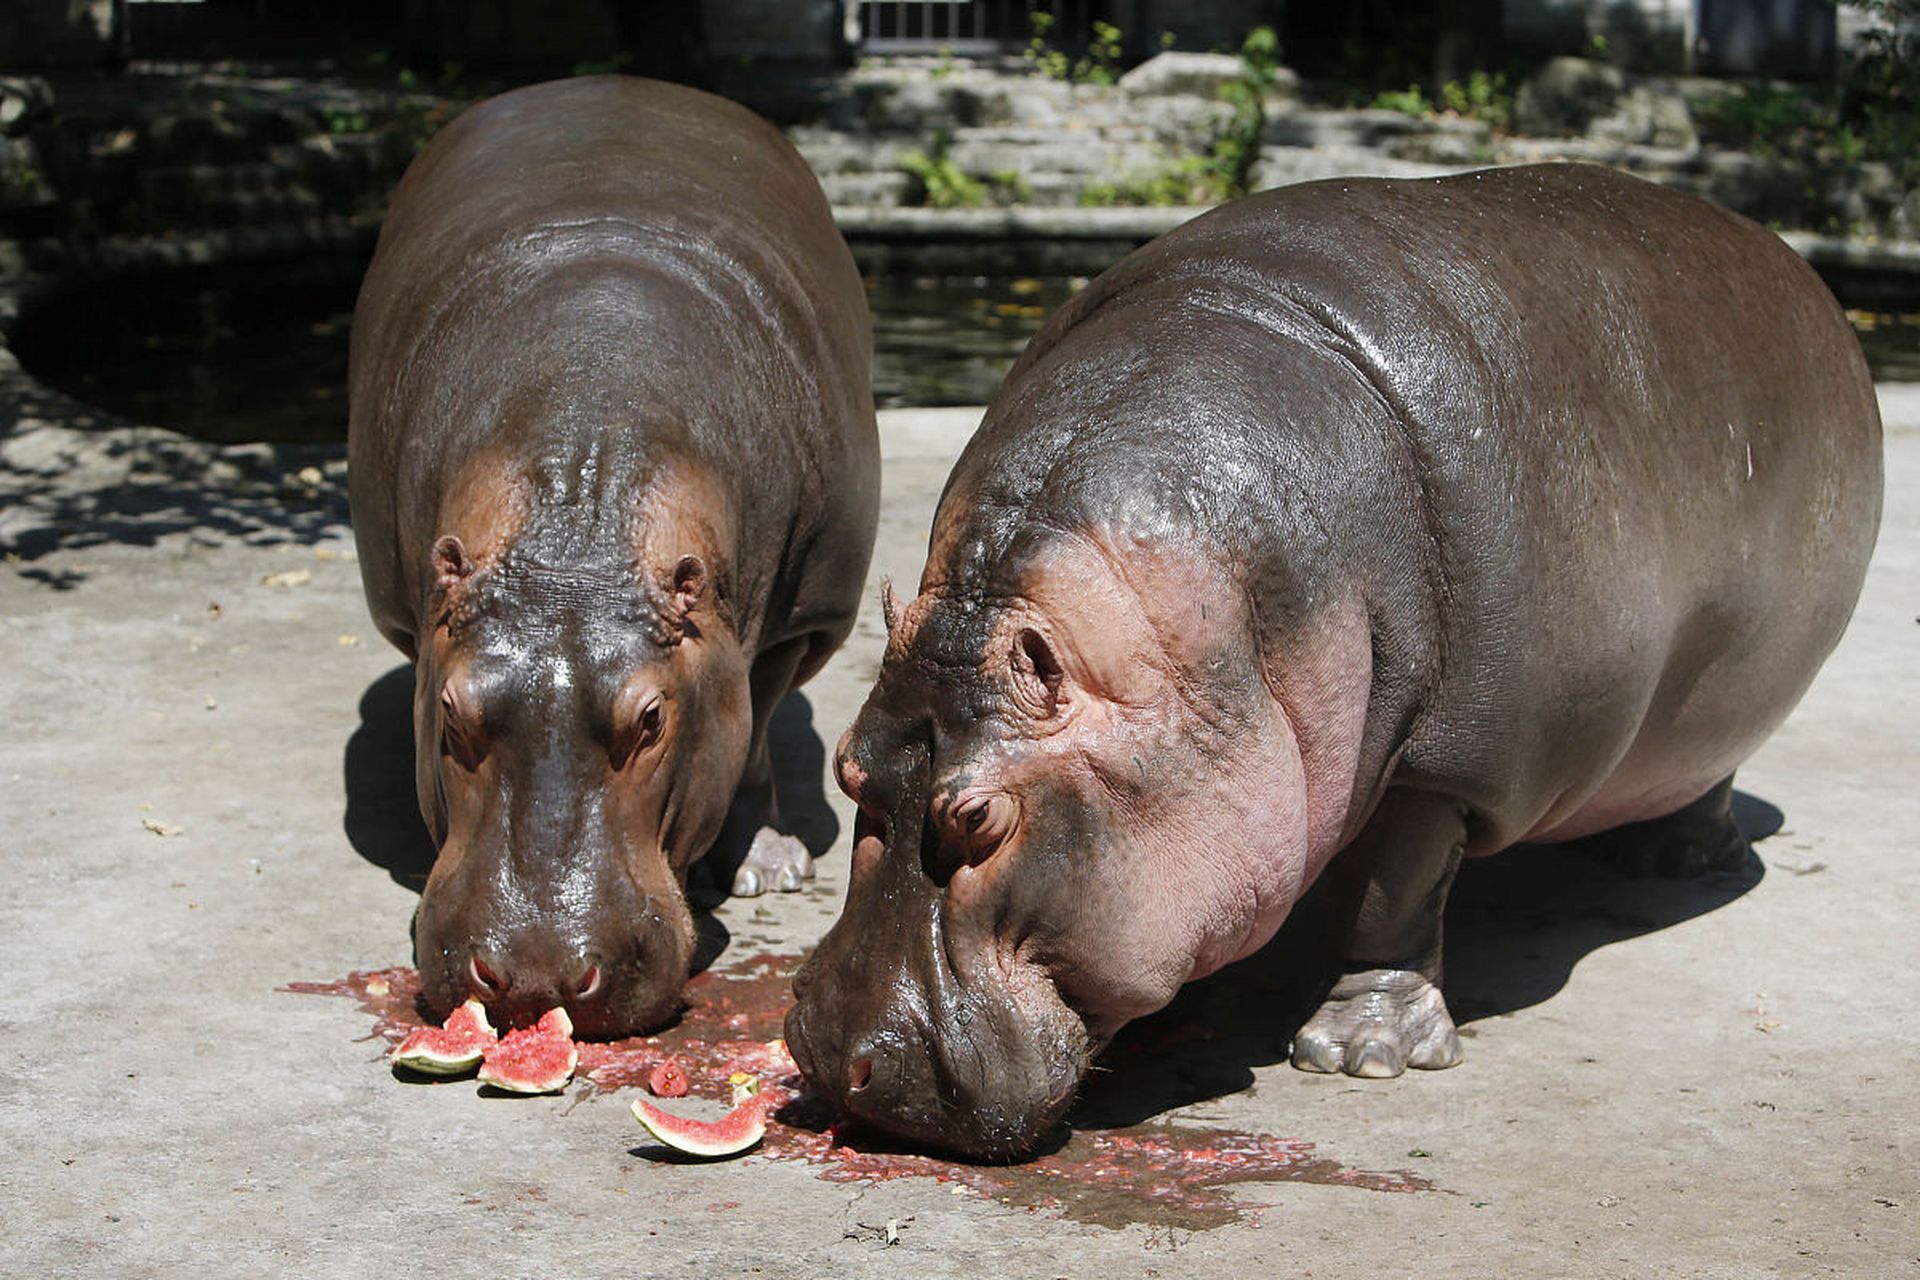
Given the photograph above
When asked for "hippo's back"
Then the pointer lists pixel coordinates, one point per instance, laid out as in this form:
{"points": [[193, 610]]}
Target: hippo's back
{"points": [[1611, 450], [610, 263]]}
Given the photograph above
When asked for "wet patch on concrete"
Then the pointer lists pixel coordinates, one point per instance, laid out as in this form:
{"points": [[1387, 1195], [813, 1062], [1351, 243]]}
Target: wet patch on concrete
{"points": [[1153, 1174]]}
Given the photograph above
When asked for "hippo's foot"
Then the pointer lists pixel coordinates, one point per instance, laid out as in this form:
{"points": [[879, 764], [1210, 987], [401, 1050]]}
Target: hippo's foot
{"points": [[1695, 841], [773, 861], [1378, 1022]]}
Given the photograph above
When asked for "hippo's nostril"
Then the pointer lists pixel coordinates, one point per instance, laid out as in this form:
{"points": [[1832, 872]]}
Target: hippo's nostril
{"points": [[860, 1074], [486, 983], [589, 982]]}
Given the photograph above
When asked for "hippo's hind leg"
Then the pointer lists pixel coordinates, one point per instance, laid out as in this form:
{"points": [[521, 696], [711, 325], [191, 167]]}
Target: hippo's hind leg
{"points": [[1693, 841], [1384, 1012]]}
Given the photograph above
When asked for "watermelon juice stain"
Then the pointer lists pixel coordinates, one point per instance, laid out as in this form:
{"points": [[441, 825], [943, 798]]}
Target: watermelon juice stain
{"points": [[1154, 1174]]}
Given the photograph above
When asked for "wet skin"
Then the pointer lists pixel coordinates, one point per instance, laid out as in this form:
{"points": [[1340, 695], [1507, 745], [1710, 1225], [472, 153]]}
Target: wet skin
{"points": [[615, 484], [1350, 530]]}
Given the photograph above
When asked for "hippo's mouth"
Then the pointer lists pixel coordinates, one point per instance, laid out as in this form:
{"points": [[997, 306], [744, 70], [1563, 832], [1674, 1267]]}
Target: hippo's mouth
{"points": [[982, 1067]]}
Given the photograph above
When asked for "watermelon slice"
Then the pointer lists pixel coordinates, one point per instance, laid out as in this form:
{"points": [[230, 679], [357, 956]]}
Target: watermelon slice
{"points": [[451, 1049], [535, 1059], [730, 1135]]}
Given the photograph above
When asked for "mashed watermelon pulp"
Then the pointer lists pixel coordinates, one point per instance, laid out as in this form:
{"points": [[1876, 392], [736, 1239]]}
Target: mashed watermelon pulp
{"points": [[536, 1059]]}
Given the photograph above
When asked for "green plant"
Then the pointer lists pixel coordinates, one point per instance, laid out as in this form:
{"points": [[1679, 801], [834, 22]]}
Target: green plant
{"points": [[1100, 65], [1042, 56], [1767, 119], [1225, 169], [1187, 180], [1410, 102], [945, 185], [1234, 152], [1871, 113], [1483, 97], [1879, 99]]}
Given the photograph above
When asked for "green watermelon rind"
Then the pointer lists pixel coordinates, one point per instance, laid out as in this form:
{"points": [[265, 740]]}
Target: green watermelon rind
{"points": [[416, 1055], [740, 1130]]}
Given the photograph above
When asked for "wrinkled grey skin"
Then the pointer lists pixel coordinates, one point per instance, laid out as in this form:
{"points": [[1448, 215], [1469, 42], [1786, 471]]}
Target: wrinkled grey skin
{"points": [[1352, 528], [615, 484]]}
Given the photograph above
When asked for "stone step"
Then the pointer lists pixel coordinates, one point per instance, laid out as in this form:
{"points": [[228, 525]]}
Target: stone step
{"points": [[865, 189], [1055, 155], [1283, 166], [1375, 129]]}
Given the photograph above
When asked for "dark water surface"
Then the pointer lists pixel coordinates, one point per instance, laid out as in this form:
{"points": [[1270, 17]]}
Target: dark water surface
{"points": [[241, 354], [237, 354]]}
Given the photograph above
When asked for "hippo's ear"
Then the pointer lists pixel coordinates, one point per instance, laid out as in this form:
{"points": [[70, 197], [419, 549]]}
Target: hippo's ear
{"points": [[1037, 673], [689, 584], [451, 564], [889, 607]]}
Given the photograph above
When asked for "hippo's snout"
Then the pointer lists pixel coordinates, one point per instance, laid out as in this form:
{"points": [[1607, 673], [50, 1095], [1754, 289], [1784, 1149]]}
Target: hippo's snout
{"points": [[517, 993], [616, 972], [987, 1085], [920, 1036]]}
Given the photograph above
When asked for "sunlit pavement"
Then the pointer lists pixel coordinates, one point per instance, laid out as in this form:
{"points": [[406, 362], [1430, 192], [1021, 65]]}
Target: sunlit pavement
{"points": [[202, 786]]}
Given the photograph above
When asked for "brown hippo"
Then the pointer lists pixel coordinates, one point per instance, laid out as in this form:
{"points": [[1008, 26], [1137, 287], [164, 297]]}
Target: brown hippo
{"points": [[615, 484], [1349, 529]]}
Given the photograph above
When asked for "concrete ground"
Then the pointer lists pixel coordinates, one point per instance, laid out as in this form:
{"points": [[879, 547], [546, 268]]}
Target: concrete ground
{"points": [[203, 799]]}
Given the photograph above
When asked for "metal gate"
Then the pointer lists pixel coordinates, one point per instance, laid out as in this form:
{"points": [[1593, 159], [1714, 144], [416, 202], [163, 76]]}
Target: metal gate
{"points": [[973, 26]]}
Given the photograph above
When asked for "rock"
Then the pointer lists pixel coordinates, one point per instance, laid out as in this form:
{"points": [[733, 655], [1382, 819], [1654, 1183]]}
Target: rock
{"points": [[1175, 72], [1566, 95], [23, 100], [1574, 97], [1280, 166]]}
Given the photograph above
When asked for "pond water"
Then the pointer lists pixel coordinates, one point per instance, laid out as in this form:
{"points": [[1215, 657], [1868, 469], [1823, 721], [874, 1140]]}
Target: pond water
{"points": [[236, 355], [241, 354]]}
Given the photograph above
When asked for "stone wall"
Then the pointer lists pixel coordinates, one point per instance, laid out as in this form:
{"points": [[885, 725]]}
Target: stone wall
{"points": [[114, 175]]}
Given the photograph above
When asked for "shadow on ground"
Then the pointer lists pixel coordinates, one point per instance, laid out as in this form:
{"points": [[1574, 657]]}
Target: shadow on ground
{"points": [[1517, 924], [383, 822], [74, 477]]}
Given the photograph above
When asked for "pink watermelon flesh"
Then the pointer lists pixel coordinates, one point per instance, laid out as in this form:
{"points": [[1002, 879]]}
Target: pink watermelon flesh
{"points": [[535, 1059], [450, 1049], [730, 1135]]}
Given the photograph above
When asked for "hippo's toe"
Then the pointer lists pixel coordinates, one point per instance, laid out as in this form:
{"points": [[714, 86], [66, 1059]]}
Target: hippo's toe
{"points": [[773, 861], [1377, 1023]]}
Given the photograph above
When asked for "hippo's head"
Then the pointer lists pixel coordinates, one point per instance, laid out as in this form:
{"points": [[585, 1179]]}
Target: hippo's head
{"points": [[581, 718], [1075, 794]]}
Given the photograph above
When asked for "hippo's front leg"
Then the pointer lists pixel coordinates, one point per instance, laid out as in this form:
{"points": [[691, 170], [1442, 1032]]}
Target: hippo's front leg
{"points": [[752, 855], [1384, 1012], [760, 856]]}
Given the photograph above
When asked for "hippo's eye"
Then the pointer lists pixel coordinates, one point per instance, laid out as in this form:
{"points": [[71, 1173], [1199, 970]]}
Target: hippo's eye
{"points": [[460, 731], [978, 823], [639, 717]]}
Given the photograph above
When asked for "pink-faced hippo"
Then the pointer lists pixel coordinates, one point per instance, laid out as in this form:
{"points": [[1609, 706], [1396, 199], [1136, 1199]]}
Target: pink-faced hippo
{"points": [[1348, 530], [615, 482]]}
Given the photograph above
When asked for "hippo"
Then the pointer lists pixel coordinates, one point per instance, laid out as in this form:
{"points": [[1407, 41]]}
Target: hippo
{"points": [[1346, 531], [615, 484]]}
